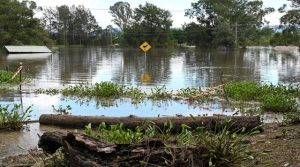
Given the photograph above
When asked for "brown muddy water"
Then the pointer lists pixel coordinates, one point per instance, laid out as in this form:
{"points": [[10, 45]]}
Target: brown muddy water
{"points": [[174, 68], [19, 142]]}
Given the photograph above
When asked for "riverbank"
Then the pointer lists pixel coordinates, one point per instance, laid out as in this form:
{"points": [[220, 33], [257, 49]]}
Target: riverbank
{"points": [[275, 146]]}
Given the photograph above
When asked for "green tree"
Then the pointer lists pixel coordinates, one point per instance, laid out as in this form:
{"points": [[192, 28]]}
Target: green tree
{"points": [[71, 25], [121, 13], [229, 23], [18, 26], [290, 24], [151, 24]]}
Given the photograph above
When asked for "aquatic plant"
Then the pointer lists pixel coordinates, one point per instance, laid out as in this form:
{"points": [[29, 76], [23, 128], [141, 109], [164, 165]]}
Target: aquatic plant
{"points": [[188, 92], [107, 89], [242, 90], [160, 93], [135, 93], [278, 103], [115, 133], [50, 91], [60, 110], [6, 77], [272, 98], [13, 118]]}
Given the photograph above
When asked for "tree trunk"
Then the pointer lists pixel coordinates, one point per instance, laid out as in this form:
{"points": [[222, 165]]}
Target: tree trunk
{"points": [[83, 150], [209, 123]]}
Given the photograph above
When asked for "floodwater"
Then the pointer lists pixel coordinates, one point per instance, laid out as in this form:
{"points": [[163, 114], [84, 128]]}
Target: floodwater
{"points": [[174, 68]]}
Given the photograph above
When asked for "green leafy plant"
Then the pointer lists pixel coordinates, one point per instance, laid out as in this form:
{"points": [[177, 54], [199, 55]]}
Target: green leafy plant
{"points": [[242, 90], [60, 110], [279, 103], [108, 89], [6, 77], [160, 93], [115, 133], [13, 118], [225, 146]]}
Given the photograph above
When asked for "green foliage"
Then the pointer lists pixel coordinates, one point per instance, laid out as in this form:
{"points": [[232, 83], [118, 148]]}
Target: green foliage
{"points": [[188, 92], [273, 98], [122, 14], [107, 89], [5, 77], [150, 23], [219, 22], [18, 26], [279, 103], [13, 118], [159, 93], [71, 25], [222, 148], [115, 133], [135, 93], [101, 90], [242, 90], [60, 110], [225, 146], [50, 91]]}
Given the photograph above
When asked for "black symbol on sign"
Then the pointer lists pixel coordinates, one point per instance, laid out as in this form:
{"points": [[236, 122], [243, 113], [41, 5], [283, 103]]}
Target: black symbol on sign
{"points": [[144, 46]]}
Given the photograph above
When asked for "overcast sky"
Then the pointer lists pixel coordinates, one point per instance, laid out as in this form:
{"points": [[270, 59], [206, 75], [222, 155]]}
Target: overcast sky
{"points": [[99, 8]]}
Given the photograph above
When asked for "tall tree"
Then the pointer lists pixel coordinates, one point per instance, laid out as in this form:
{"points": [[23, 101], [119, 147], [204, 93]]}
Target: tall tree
{"points": [[71, 25], [121, 13], [151, 24], [290, 24], [18, 26], [228, 23]]}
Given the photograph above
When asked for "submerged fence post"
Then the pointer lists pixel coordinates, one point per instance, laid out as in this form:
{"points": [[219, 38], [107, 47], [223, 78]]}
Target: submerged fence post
{"points": [[21, 69]]}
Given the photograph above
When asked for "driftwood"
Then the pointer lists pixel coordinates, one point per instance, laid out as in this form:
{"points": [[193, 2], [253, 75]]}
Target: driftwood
{"points": [[209, 122], [83, 150]]}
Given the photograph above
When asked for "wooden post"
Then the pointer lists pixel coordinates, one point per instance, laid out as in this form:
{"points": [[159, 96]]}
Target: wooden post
{"points": [[21, 75]]}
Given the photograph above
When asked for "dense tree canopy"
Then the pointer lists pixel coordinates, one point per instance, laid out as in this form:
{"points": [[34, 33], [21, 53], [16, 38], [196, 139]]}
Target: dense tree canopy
{"points": [[71, 25], [228, 23], [147, 23], [18, 26]]}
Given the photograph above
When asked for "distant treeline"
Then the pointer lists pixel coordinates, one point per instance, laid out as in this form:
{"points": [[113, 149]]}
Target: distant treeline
{"points": [[229, 24]]}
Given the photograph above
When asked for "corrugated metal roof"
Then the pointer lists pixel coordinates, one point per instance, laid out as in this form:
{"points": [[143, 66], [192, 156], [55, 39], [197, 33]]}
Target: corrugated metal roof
{"points": [[27, 49]]}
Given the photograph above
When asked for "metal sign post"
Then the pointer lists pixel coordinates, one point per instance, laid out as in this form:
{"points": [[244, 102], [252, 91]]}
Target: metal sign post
{"points": [[145, 46]]}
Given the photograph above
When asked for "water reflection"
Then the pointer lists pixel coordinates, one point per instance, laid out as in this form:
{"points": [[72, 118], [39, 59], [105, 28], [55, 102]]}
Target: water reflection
{"points": [[175, 68]]}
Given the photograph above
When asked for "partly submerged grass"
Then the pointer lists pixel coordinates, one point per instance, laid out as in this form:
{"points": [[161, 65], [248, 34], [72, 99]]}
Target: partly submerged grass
{"points": [[273, 98], [6, 77], [12, 117]]}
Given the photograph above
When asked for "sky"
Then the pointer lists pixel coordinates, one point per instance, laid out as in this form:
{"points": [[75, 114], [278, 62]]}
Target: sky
{"points": [[99, 8]]}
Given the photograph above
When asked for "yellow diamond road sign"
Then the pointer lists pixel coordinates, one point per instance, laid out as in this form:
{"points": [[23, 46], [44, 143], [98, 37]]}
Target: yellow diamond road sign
{"points": [[145, 46]]}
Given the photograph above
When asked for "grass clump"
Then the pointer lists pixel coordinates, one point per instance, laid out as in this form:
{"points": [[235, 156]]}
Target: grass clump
{"points": [[279, 103], [13, 119], [224, 147], [101, 90], [107, 89], [5, 77], [272, 98], [160, 93], [245, 91]]}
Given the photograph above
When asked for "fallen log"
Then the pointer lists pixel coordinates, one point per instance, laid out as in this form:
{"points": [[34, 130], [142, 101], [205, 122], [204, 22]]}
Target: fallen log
{"points": [[209, 122], [83, 150]]}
